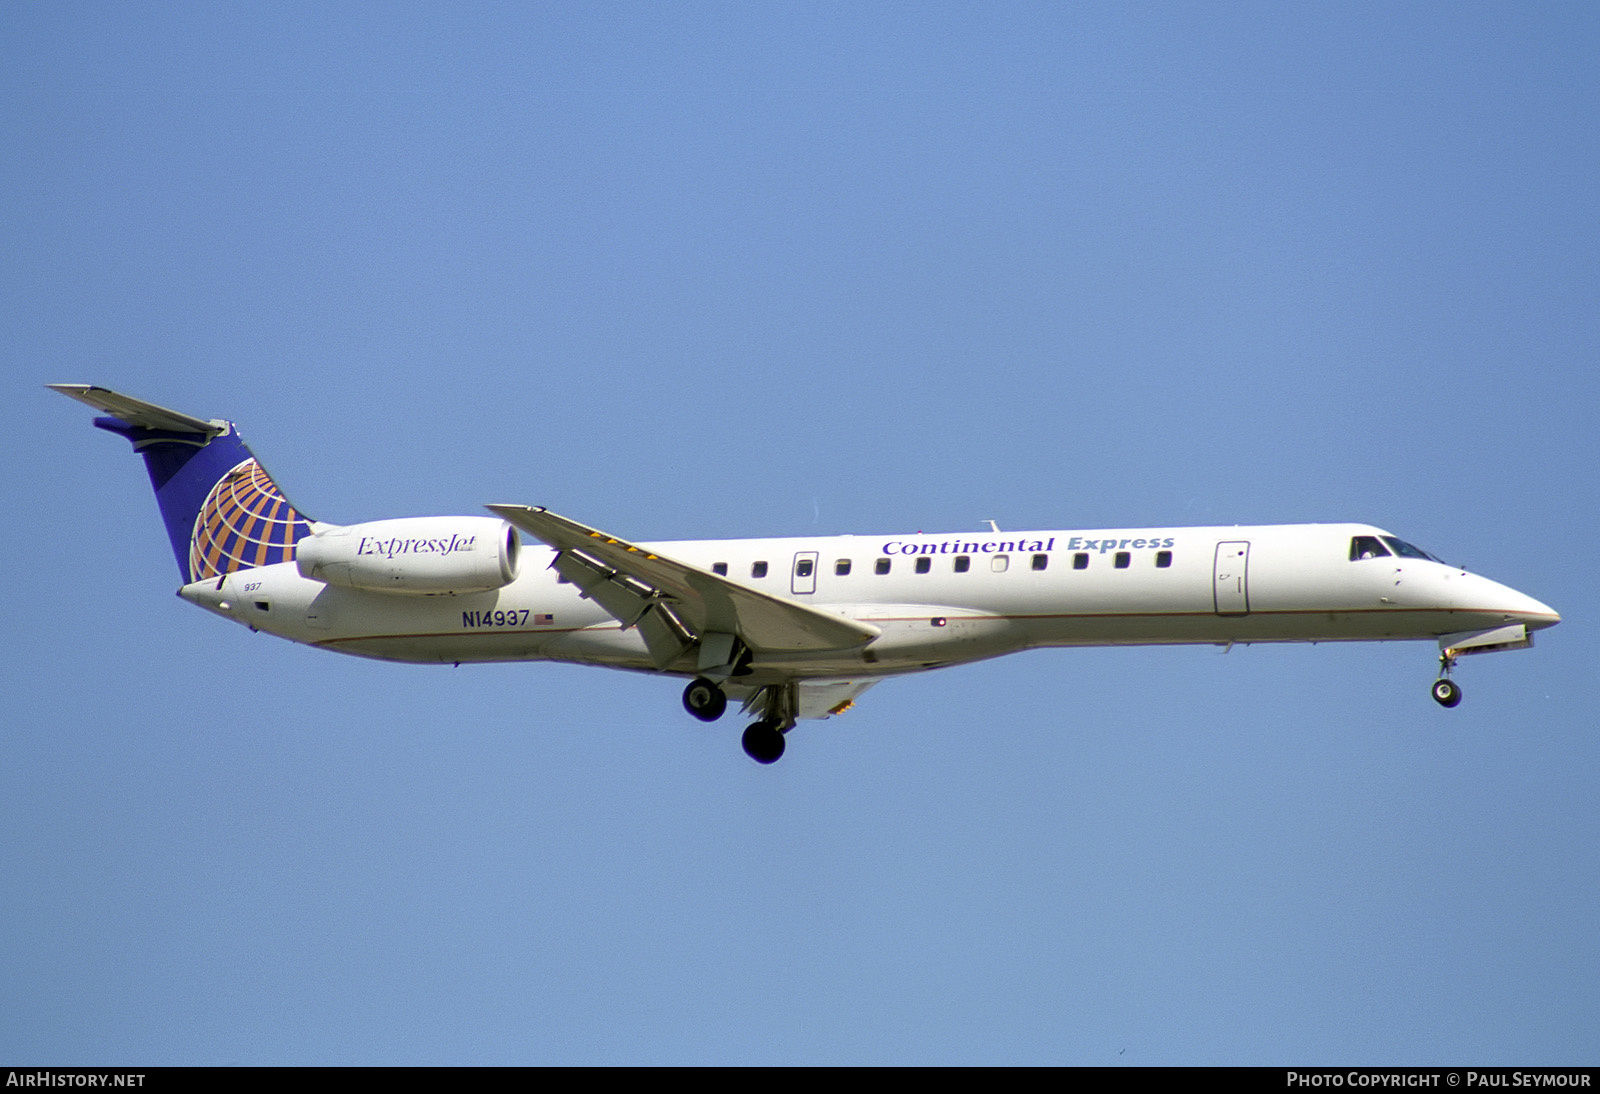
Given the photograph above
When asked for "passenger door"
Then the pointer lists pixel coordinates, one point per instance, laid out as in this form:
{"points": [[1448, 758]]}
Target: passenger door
{"points": [[1230, 578]]}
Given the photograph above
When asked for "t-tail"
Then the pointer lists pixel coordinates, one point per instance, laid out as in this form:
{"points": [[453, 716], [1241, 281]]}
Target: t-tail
{"points": [[222, 510]]}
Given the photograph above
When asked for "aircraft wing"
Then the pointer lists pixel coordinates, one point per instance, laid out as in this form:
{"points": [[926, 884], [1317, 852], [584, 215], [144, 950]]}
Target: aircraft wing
{"points": [[675, 604]]}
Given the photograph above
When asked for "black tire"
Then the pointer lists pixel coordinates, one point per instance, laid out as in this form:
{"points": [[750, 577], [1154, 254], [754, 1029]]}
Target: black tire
{"points": [[704, 699], [1446, 693], [763, 743]]}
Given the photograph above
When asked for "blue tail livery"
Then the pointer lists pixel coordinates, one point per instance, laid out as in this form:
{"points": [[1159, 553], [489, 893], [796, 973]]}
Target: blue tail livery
{"points": [[222, 510]]}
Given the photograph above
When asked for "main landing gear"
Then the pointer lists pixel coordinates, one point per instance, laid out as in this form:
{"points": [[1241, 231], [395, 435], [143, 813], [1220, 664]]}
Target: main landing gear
{"points": [[763, 739], [704, 699], [1446, 692], [763, 742]]}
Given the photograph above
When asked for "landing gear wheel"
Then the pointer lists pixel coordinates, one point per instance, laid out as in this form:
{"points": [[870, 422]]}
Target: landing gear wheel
{"points": [[704, 700], [763, 743], [1446, 693]]}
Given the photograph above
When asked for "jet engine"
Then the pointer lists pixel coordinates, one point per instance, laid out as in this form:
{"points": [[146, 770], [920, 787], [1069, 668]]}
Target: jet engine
{"points": [[419, 555]]}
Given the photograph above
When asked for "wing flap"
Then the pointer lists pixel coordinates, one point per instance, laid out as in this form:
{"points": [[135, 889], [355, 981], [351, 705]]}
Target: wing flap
{"points": [[825, 698], [631, 602], [640, 584], [665, 636]]}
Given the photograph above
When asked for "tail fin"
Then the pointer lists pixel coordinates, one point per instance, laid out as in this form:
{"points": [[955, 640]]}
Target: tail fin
{"points": [[222, 510]]}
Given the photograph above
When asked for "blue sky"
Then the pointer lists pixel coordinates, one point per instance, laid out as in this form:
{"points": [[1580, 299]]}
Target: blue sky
{"points": [[711, 270]]}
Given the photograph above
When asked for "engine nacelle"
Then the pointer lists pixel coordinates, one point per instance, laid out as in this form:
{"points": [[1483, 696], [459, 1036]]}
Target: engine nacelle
{"points": [[417, 555]]}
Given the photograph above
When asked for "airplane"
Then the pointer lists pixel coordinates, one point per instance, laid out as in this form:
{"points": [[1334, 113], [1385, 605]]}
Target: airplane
{"points": [[789, 628]]}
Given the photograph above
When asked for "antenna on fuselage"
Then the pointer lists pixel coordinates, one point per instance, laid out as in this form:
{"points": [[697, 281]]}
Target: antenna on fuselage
{"points": [[993, 527]]}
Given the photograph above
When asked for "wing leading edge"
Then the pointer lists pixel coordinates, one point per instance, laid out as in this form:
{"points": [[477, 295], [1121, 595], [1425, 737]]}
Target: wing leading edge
{"points": [[676, 605]]}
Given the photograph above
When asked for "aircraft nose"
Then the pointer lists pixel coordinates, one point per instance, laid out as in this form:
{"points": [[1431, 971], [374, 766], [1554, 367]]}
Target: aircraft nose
{"points": [[1522, 608], [1542, 615]]}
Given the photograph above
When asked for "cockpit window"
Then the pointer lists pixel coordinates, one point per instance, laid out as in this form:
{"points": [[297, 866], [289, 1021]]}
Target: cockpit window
{"points": [[1405, 550], [1367, 547]]}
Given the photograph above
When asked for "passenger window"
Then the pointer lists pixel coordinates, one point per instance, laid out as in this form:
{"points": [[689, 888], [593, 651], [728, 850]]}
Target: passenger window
{"points": [[1123, 558], [758, 569], [804, 567], [1163, 559], [963, 563], [924, 564], [1367, 547], [842, 567], [1080, 561], [720, 569], [998, 563], [1040, 561], [882, 566]]}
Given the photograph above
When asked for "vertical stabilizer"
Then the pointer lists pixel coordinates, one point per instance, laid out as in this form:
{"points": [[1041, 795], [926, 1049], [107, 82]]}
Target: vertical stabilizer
{"points": [[222, 510]]}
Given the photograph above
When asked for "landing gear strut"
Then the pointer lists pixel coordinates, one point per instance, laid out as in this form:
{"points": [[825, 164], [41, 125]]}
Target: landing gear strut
{"points": [[778, 705], [705, 700], [1446, 692]]}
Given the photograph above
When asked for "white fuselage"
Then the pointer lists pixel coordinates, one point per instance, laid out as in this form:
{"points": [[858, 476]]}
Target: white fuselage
{"points": [[788, 628], [945, 598]]}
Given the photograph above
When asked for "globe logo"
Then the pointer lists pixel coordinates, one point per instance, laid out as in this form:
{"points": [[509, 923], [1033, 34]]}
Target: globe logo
{"points": [[245, 522]]}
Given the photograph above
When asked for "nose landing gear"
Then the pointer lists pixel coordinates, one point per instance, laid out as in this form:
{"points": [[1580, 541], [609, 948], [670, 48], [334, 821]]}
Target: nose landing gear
{"points": [[1446, 692]]}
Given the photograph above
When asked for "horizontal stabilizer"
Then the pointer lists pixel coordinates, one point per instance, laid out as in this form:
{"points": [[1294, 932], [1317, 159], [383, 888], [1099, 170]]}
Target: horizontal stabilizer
{"points": [[137, 412], [626, 579]]}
